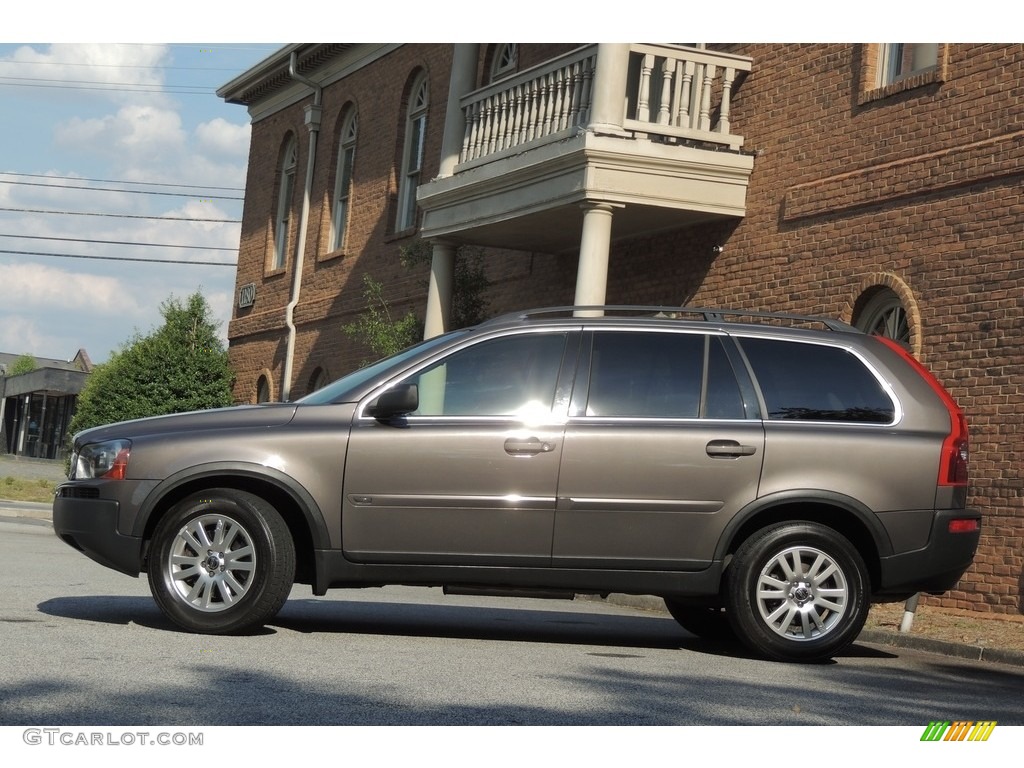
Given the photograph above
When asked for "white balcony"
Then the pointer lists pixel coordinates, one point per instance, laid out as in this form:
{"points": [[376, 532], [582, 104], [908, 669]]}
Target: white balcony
{"points": [[642, 128]]}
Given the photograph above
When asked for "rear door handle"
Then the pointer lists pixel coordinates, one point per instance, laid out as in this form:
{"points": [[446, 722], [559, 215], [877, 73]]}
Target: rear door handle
{"points": [[530, 446], [729, 449]]}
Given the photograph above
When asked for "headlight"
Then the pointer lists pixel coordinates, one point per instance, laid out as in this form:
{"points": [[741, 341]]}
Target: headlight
{"points": [[107, 460]]}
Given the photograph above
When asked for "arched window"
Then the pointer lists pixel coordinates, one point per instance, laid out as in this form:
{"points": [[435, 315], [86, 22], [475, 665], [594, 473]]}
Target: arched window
{"points": [[318, 380], [412, 154], [286, 190], [505, 61], [343, 180], [263, 393], [882, 313]]}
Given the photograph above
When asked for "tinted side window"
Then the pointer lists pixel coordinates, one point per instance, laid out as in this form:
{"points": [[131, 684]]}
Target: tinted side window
{"points": [[509, 376], [661, 375], [814, 382]]}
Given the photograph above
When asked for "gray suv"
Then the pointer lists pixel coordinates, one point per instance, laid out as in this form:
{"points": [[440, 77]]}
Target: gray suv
{"points": [[768, 475]]}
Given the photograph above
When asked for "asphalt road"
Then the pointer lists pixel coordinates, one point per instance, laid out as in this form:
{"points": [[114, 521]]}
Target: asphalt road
{"points": [[83, 645]]}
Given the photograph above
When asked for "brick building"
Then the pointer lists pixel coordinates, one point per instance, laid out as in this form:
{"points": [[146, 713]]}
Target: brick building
{"points": [[876, 183]]}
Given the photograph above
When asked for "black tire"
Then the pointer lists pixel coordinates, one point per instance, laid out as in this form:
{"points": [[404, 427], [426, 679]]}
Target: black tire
{"points": [[797, 592], [221, 561], [704, 622]]}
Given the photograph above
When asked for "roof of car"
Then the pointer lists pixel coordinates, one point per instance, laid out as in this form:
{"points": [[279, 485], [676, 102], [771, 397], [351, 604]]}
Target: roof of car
{"points": [[641, 313]]}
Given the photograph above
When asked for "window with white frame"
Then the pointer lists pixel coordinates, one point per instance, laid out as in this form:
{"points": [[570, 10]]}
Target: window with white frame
{"points": [[343, 181], [899, 61], [286, 190], [412, 156], [505, 62]]}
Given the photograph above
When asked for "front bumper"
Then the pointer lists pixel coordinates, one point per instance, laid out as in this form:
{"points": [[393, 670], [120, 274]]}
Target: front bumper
{"points": [[90, 526], [936, 567]]}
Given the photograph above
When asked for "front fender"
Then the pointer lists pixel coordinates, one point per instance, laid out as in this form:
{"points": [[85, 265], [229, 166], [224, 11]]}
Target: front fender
{"points": [[229, 473]]}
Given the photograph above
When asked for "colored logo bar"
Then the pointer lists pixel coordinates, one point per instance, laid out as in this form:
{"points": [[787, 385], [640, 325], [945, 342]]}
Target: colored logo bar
{"points": [[961, 730]]}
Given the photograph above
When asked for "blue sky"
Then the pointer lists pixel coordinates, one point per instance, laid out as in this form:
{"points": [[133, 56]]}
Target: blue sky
{"points": [[82, 119]]}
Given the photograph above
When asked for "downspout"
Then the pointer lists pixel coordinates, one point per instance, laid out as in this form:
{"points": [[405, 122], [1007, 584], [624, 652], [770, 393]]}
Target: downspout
{"points": [[313, 112]]}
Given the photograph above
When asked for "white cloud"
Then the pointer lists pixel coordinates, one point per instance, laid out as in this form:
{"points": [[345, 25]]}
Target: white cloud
{"points": [[20, 335], [136, 132], [38, 286], [106, 70], [219, 137]]}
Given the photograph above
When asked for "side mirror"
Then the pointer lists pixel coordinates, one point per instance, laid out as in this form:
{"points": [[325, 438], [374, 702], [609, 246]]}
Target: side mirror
{"points": [[403, 399]]}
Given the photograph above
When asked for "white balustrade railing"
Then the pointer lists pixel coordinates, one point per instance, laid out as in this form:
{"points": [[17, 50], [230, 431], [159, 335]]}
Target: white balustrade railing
{"points": [[672, 92], [533, 105], [681, 92]]}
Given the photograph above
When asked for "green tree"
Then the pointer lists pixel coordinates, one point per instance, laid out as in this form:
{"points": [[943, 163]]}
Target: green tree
{"points": [[24, 364], [384, 334], [377, 328], [181, 366]]}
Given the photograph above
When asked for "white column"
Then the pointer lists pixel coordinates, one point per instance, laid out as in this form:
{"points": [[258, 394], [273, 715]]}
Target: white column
{"points": [[595, 245], [610, 77], [442, 266], [461, 81], [439, 294]]}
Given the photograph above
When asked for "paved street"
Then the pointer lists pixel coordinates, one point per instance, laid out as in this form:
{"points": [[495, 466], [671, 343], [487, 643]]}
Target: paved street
{"points": [[84, 645]]}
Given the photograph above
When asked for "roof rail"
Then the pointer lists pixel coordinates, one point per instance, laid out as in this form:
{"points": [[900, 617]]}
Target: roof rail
{"points": [[673, 313]]}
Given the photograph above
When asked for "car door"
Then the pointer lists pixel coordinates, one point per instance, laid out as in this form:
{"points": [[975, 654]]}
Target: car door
{"points": [[470, 476], [662, 446]]}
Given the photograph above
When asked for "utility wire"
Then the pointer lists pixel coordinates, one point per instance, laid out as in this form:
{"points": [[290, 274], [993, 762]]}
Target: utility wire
{"points": [[125, 258], [208, 91], [124, 191], [120, 181], [121, 242], [123, 215], [24, 79]]}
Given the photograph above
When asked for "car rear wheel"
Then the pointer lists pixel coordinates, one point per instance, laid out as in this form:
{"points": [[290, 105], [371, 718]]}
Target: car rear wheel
{"points": [[797, 592], [221, 561]]}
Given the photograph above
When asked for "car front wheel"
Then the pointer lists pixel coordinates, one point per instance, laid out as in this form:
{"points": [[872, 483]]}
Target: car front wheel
{"points": [[797, 592], [221, 561]]}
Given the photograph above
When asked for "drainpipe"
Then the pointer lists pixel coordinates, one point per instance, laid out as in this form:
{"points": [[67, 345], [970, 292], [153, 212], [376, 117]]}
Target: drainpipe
{"points": [[313, 112]]}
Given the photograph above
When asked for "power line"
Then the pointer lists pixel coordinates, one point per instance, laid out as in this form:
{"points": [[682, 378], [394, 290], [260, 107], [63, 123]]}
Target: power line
{"points": [[123, 191], [124, 258], [123, 215], [120, 181], [206, 91], [95, 82], [120, 242]]}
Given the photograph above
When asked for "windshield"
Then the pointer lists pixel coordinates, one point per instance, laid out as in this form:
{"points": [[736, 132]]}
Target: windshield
{"points": [[346, 388]]}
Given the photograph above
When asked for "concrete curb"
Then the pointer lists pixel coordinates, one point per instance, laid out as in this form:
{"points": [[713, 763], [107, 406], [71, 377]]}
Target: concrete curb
{"points": [[942, 647], [873, 636], [35, 509]]}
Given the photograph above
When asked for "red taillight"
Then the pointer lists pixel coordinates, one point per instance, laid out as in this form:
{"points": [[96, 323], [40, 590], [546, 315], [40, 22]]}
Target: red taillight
{"points": [[955, 448], [964, 525]]}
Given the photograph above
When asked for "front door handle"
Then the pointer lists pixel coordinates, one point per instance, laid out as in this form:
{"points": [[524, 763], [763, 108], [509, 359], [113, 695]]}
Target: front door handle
{"points": [[729, 449], [529, 446]]}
